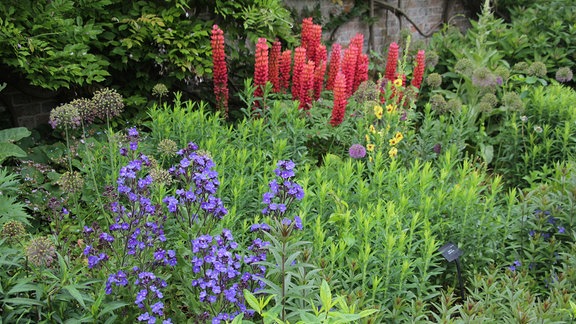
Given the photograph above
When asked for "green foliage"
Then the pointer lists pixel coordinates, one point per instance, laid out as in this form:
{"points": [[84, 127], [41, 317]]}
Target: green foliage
{"points": [[542, 135], [10, 207], [49, 43], [71, 44], [7, 147]]}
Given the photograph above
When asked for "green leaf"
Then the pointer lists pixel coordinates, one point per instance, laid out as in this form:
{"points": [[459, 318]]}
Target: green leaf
{"points": [[325, 295], [14, 134], [8, 150], [76, 294], [252, 301]]}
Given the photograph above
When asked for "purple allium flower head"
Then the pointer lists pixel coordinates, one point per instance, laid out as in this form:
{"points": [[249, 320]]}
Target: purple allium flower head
{"points": [[357, 151], [564, 74]]}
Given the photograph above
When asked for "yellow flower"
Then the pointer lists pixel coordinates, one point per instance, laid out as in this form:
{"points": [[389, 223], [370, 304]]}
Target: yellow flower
{"points": [[398, 136], [378, 111], [370, 147], [390, 108], [393, 141], [372, 129], [393, 152], [398, 82], [367, 138]]}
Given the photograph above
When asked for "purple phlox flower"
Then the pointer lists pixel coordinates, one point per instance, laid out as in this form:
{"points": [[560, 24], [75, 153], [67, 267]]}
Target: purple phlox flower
{"points": [[157, 308], [286, 222], [87, 249], [285, 169], [106, 237], [123, 151], [262, 227], [297, 223], [133, 132], [88, 229], [561, 229], [515, 265], [133, 146]]}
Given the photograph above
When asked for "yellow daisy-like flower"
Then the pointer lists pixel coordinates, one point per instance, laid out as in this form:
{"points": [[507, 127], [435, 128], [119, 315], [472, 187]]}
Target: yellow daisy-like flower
{"points": [[393, 152], [367, 138], [398, 82], [390, 108], [378, 111], [370, 147], [398, 136], [393, 141], [372, 129]]}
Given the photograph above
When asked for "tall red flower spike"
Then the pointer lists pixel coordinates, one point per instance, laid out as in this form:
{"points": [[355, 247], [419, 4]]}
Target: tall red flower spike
{"points": [[391, 62], [299, 63], [285, 69], [361, 70], [340, 100], [274, 66], [306, 86], [220, 71], [307, 33], [261, 67], [419, 69], [349, 67], [335, 58], [319, 79]]}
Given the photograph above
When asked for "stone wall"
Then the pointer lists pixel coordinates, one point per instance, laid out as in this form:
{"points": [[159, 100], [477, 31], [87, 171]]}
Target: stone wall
{"points": [[427, 15], [26, 106]]}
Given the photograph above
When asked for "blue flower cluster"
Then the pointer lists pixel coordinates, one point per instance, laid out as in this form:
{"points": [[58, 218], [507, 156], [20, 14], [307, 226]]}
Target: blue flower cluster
{"points": [[135, 237], [221, 279], [283, 191], [194, 202]]}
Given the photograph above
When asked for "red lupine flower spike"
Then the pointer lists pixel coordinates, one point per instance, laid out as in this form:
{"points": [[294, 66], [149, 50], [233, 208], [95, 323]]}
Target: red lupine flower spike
{"points": [[319, 79], [306, 85], [261, 67], [274, 66], [285, 69], [299, 63], [419, 69], [391, 62], [340, 100], [335, 58], [220, 71]]}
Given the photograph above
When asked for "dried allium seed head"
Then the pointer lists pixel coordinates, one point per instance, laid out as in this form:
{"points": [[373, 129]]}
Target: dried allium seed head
{"points": [[108, 103], [41, 251], [13, 230]]}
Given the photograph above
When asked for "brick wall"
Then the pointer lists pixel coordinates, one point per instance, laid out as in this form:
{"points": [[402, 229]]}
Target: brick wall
{"points": [[428, 15], [25, 105]]}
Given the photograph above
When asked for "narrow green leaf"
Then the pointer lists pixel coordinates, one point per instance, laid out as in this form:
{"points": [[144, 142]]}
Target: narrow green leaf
{"points": [[252, 301]]}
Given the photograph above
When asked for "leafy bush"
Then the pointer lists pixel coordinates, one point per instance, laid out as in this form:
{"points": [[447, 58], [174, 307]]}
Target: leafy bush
{"points": [[541, 135]]}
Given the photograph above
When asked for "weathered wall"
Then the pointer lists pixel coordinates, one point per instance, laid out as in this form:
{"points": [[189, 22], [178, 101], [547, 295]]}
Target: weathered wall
{"points": [[27, 106], [428, 16]]}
